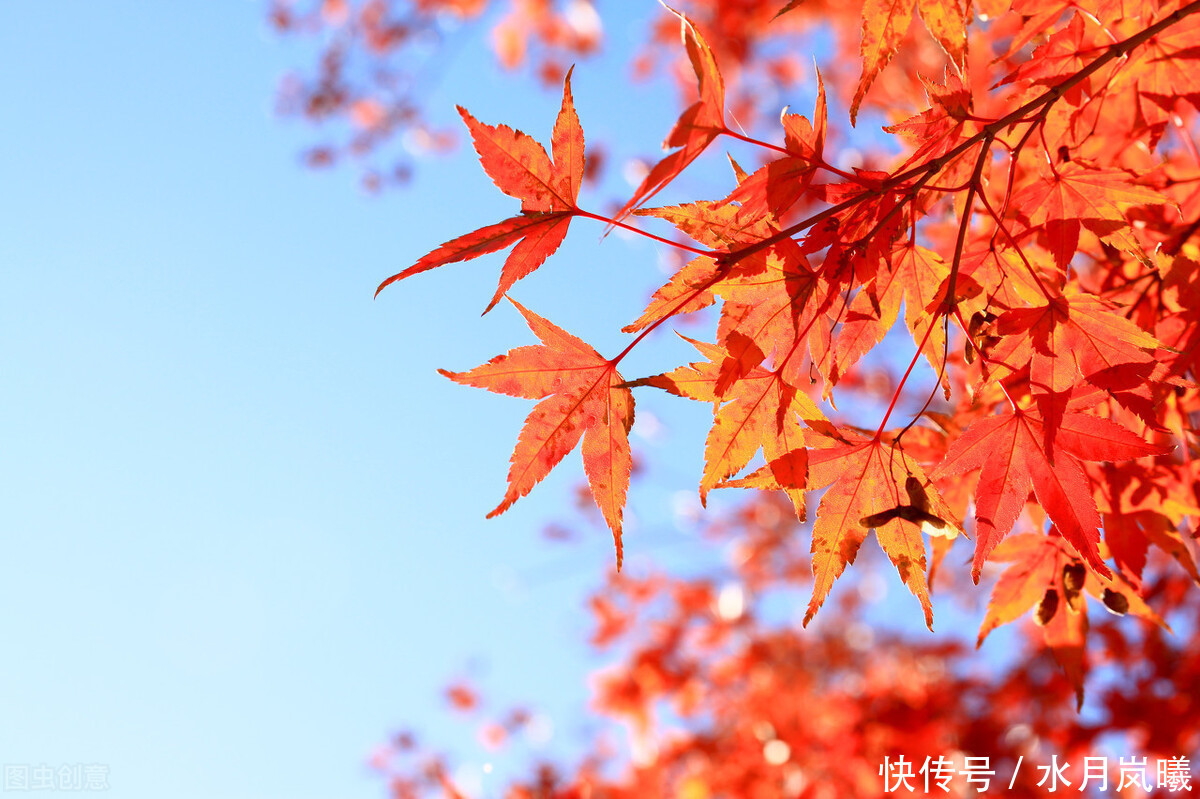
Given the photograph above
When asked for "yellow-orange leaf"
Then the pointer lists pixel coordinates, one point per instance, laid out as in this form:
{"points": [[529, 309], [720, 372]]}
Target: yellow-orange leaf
{"points": [[945, 22], [884, 24], [873, 486]]}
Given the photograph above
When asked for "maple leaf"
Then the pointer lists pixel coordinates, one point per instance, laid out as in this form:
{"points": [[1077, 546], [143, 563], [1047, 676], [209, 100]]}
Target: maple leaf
{"points": [[685, 292], [1011, 450], [939, 129], [520, 167], [1166, 67], [718, 225], [1073, 196], [774, 301], [1035, 578], [945, 21], [873, 486], [884, 25], [777, 186], [1035, 559], [582, 396], [914, 277], [772, 297], [1075, 335], [1065, 51], [714, 224], [697, 127], [1043, 572], [1141, 507]]}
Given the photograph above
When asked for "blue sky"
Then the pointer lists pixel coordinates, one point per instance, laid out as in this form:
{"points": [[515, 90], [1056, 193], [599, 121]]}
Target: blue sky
{"points": [[242, 516]]}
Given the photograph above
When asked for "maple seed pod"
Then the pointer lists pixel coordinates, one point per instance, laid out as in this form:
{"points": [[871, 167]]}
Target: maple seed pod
{"points": [[1116, 603], [880, 519], [1073, 577], [916, 493], [1046, 608]]}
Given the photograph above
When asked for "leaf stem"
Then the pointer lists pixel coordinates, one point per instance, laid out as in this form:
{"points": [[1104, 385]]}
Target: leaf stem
{"points": [[1017, 248], [911, 364], [705, 286], [759, 142], [640, 232], [819, 163]]}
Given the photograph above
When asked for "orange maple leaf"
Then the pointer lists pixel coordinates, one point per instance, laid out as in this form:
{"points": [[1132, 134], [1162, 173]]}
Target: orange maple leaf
{"points": [[777, 186], [686, 292], [884, 25], [774, 301], [873, 486], [582, 396], [1035, 578], [914, 276], [697, 127], [1043, 572], [520, 168], [759, 410]]}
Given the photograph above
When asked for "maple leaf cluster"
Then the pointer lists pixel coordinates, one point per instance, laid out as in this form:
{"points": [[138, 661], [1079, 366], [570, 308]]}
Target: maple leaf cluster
{"points": [[1038, 231]]}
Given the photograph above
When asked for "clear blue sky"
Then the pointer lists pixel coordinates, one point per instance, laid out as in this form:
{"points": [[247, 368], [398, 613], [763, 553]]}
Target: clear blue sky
{"points": [[241, 516]]}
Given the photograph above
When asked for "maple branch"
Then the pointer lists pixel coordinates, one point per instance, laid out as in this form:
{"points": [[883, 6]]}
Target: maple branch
{"points": [[640, 232], [1046, 149], [923, 173], [1013, 153], [736, 255], [1055, 93], [950, 299]]}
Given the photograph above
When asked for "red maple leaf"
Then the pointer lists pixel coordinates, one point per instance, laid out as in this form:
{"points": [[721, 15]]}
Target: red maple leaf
{"points": [[1011, 450]]}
